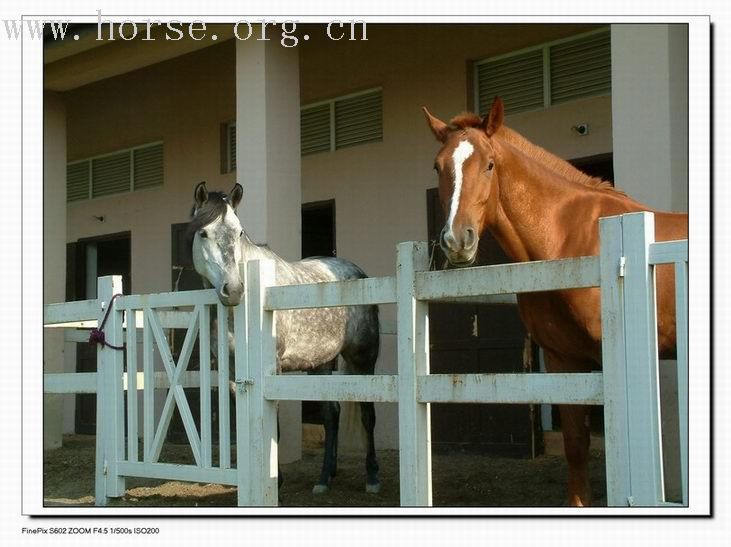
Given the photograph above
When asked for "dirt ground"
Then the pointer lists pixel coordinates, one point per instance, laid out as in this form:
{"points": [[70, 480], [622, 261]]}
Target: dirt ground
{"points": [[459, 480]]}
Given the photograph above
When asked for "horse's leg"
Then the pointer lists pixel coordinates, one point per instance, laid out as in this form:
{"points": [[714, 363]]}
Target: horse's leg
{"points": [[361, 354], [368, 417], [575, 430], [330, 413], [576, 446]]}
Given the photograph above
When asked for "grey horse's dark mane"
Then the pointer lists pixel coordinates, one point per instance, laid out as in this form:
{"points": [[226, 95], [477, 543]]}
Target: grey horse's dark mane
{"points": [[214, 208]]}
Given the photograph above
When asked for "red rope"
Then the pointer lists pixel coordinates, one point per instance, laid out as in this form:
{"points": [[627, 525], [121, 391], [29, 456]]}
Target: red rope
{"points": [[96, 336]]}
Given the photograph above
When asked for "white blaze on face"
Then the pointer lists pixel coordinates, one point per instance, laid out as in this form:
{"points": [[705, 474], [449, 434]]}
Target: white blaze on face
{"points": [[463, 151]]}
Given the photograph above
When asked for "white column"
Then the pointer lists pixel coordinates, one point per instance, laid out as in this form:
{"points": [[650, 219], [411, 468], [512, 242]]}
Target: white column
{"points": [[650, 113], [268, 167], [650, 142], [54, 252]]}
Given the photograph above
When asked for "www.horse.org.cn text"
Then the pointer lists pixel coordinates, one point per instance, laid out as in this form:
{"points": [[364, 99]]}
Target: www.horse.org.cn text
{"points": [[262, 30]]}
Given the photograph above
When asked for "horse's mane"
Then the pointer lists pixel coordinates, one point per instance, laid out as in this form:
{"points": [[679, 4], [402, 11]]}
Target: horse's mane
{"points": [[560, 166], [215, 207]]}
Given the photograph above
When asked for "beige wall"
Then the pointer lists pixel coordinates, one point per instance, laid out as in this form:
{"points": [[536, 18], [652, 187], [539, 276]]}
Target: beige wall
{"points": [[182, 102]]}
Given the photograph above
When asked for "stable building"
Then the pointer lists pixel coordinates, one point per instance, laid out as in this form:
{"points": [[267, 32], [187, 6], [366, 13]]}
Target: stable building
{"points": [[329, 142]]}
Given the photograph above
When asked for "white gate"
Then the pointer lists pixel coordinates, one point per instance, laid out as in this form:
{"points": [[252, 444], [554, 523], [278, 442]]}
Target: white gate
{"points": [[628, 386]]}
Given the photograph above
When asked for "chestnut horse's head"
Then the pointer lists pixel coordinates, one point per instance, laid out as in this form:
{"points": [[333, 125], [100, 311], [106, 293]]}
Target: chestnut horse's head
{"points": [[468, 169]]}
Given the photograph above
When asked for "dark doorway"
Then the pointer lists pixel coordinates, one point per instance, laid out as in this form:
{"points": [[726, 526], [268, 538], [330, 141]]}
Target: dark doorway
{"points": [[600, 165], [318, 229], [479, 338], [318, 239], [88, 259]]}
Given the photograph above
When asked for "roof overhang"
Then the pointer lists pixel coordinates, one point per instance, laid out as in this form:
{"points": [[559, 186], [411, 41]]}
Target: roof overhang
{"points": [[72, 63]]}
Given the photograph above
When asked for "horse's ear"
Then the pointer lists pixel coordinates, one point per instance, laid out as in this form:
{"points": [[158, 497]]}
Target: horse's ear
{"points": [[200, 194], [237, 192], [437, 126], [494, 119]]}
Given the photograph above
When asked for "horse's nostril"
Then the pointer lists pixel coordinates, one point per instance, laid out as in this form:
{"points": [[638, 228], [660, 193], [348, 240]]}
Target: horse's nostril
{"points": [[469, 237], [448, 241], [224, 289]]}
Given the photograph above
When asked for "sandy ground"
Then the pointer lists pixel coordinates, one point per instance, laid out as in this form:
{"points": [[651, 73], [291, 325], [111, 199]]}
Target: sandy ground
{"points": [[459, 479]]}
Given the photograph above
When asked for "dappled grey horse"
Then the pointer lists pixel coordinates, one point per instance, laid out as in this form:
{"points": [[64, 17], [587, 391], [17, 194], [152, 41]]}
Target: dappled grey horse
{"points": [[309, 339]]}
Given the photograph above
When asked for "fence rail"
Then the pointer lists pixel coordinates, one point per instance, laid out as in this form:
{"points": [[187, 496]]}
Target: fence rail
{"points": [[627, 387]]}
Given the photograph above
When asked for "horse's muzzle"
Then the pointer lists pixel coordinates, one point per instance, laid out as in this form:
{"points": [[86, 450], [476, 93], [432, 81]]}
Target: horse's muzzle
{"points": [[460, 249], [231, 293]]}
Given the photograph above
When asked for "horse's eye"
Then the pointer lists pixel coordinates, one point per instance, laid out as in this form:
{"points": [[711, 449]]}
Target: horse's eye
{"points": [[490, 165], [241, 233], [203, 234]]}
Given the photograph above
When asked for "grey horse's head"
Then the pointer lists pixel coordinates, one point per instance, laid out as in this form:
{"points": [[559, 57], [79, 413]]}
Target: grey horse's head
{"points": [[217, 236]]}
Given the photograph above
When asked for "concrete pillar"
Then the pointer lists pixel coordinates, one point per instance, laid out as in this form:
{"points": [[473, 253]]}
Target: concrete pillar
{"points": [[650, 113], [54, 253], [650, 141], [268, 167]]}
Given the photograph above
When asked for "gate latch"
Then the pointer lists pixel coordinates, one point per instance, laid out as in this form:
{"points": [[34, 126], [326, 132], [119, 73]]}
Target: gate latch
{"points": [[243, 382]]}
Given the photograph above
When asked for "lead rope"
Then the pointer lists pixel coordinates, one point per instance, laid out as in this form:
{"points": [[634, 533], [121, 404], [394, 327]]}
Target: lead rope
{"points": [[96, 336], [432, 256]]}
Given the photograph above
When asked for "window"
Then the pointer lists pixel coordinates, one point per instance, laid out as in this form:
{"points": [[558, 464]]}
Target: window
{"points": [[229, 160], [325, 126], [553, 73], [115, 173], [344, 121]]}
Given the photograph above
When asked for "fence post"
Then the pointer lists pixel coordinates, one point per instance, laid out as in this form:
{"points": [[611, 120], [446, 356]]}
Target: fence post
{"points": [[109, 395], [241, 400], [616, 419], [413, 361], [643, 389], [681, 314], [261, 414]]}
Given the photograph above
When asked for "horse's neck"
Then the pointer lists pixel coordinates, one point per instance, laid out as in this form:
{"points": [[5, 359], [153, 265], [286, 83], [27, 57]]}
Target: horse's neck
{"points": [[252, 251], [532, 208]]}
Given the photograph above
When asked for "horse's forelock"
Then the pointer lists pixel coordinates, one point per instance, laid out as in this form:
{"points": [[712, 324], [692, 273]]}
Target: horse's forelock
{"points": [[465, 120], [213, 209]]}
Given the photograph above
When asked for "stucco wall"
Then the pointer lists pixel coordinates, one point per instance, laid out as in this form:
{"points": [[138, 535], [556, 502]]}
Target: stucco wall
{"points": [[181, 102]]}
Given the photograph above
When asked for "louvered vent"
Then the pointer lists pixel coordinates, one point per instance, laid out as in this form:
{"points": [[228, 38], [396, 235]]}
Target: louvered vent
{"points": [[315, 129], [77, 181], [518, 80], [148, 166], [359, 119], [231, 147], [110, 174], [581, 68]]}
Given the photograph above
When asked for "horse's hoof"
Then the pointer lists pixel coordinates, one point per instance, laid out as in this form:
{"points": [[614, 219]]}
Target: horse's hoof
{"points": [[373, 488], [320, 488]]}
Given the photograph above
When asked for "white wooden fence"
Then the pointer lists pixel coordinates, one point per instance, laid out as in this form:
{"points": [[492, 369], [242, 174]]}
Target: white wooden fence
{"points": [[628, 386]]}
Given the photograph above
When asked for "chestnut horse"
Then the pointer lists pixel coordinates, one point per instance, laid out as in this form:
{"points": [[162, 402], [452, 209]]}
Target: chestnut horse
{"points": [[539, 207]]}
